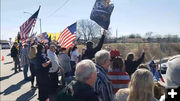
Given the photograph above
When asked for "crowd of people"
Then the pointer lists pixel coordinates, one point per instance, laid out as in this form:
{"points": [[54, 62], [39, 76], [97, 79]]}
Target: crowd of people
{"points": [[95, 75]]}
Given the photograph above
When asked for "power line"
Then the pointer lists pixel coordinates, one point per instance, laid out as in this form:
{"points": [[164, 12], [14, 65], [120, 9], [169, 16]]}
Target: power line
{"points": [[59, 8]]}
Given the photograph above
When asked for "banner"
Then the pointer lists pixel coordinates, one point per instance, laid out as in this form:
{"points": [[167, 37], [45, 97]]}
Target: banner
{"points": [[101, 13]]}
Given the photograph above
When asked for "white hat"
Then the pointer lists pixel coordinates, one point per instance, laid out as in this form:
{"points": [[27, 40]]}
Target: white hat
{"points": [[173, 72]]}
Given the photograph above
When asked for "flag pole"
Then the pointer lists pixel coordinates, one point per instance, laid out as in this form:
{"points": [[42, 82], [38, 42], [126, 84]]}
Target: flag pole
{"points": [[160, 55]]}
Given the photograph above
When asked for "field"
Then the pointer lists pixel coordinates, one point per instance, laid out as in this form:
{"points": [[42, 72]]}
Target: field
{"points": [[152, 50]]}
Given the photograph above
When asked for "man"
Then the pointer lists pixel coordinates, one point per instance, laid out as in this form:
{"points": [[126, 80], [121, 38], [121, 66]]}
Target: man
{"points": [[55, 69], [103, 85], [172, 74], [81, 89], [25, 60], [90, 51], [15, 56], [64, 61]]}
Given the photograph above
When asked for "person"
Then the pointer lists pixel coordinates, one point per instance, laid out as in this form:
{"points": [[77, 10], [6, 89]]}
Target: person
{"points": [[172, 74], [103, 84], [58, 49], [55, 68], [143, 66], [32, 57], [42, 64], [159, 90], [74, 58], [90, 51], [81, 55], [114, 53], [117, 74], [131, 64], [25, 60], [140, 87], [64, 61], [15, 56], [81, 89]]}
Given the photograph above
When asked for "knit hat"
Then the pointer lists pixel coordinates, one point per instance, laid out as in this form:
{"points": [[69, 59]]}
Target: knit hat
{"points": [[114, 53], [173, 72]]}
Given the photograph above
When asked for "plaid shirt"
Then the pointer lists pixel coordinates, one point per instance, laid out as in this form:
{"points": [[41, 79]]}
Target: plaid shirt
{"points": [[103, 86]]}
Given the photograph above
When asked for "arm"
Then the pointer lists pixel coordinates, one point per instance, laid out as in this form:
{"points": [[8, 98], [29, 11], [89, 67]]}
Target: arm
{"points": [[55, 61], [140, 60], [75, 58], [46, 64], [100, 44]]}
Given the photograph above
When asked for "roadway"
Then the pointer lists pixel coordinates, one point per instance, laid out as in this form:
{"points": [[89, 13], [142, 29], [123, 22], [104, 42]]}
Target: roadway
{"points": [[12, 86]]}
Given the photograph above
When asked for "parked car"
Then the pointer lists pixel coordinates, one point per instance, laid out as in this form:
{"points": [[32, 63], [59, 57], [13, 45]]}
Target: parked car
{"points": [[163, 68], [5, 45]]}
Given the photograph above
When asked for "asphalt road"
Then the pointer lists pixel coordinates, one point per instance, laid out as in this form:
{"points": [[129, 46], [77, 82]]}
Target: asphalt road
{"points": [[12, 86]]}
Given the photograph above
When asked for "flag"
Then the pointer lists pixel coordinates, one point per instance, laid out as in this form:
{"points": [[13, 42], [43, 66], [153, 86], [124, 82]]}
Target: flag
{"points": [[154, 70], [23, 42], [67, 36], [101, 13], [27, 26], [54, 36]]}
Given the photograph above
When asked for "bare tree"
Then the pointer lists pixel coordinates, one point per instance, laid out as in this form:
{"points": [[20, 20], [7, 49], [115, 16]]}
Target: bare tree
{"points": [[148, 36], [88, 30]]}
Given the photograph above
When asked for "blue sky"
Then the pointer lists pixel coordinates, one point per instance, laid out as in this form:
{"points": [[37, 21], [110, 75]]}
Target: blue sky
{"points": [[129, 16]]}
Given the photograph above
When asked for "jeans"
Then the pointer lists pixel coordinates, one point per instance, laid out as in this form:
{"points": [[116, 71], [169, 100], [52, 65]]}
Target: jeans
{"points": [[16, 63], [25, 71]]}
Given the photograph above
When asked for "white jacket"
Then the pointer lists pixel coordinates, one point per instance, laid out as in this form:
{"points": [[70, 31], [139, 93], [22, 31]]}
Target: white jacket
{"points": [[54, 60]]}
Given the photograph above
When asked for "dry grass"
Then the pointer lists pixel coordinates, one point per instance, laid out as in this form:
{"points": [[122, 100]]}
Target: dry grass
{"points": [[151, 49]]}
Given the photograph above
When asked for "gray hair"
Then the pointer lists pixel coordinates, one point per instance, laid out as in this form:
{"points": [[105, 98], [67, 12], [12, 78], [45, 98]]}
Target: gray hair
{"points": [[84, 69], [102, 56]]}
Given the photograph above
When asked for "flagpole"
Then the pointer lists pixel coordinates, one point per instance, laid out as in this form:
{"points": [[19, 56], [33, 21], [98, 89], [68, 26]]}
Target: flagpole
{"points": [[160, 55], [40, 25], [32, 30]]}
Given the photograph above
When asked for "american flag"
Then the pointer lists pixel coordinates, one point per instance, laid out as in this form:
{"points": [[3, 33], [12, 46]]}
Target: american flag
{"points": [[27, 26], [67, 36], [154, 70]]}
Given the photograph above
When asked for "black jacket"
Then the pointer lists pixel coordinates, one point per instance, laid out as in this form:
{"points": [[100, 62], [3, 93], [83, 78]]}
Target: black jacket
{"points": [[81, 91], [90, 52], [14, 52], [131, 66]]}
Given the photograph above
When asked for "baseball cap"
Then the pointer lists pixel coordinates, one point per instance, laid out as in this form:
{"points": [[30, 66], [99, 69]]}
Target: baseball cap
{"points": [[114, 53]]}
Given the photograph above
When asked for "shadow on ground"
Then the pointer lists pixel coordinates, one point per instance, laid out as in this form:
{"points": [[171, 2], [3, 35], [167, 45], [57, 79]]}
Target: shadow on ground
{"points": [[13, 88], [8, 63], [6, 77], [27, 96], [8, 54]]}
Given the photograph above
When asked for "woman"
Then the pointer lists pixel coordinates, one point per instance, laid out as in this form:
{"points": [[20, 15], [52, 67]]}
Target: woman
{"points": [[131, 64], [74, 58], [140, 88], [42, 65], [32, 57], [117, 75]]}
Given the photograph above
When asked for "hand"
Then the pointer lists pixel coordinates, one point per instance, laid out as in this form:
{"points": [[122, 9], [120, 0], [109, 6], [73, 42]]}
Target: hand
{"points": [[49, 62], [104, 32], [61, 70]]}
